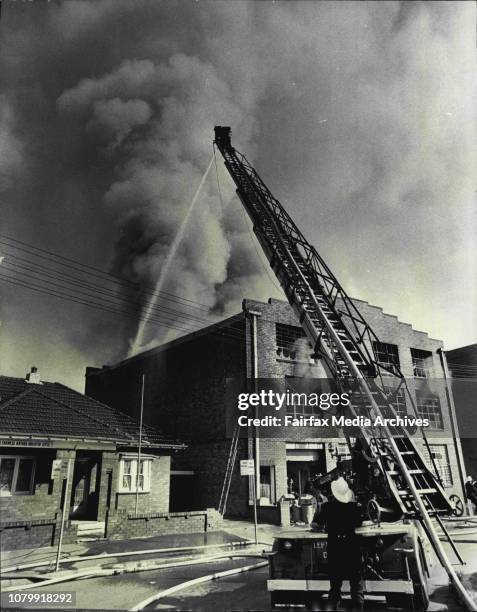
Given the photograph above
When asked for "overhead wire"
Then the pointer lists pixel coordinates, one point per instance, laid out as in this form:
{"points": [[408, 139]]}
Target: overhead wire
{"points": [[74, 281], [221, 328], [93, 271], [77, 289]]}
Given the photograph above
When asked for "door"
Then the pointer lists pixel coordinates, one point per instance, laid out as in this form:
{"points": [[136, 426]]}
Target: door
{"points": [[80, 488]]}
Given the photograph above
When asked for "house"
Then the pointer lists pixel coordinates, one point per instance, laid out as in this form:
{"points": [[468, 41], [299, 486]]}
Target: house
{"points": [[191, 390], [463, 368], [61, 449]]}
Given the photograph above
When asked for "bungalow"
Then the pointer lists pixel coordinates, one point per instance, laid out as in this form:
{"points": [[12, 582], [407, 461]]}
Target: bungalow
{"points": [[63, 452]]}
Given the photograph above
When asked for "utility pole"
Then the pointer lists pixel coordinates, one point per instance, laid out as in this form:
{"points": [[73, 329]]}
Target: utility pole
{"points": [[138, 469], [63, 515]]}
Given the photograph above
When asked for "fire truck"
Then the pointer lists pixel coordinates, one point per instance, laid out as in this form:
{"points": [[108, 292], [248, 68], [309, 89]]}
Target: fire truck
{"points": [[403, 519]]}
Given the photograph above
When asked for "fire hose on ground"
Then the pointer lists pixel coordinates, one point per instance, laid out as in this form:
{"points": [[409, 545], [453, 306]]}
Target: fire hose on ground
{"points": [[94, 572], [189, 583], [132, 553]]}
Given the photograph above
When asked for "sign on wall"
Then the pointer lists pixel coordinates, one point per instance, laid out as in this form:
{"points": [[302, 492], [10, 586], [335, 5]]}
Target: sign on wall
{"points": [[247, 467]]}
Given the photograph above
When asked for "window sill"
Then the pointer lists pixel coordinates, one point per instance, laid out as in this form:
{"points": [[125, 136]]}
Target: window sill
{"points": [[133, 492]]}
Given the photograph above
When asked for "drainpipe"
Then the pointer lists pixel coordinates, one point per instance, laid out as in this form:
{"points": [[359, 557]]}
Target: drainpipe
{"points": [[254, 371], [139, 448], [453, 419]]}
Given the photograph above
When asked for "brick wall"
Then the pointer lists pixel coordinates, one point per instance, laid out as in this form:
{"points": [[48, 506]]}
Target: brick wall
{"points": [[185, 383], [157, 500], [126, 525], [188, 384]]}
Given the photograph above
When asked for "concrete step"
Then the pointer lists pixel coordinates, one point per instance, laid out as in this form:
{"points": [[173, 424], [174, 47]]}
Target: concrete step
{"points": [[89, 528]]}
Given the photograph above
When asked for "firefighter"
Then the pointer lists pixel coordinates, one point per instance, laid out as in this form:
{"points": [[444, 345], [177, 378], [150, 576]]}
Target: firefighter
{"points": [[471, 490], [339, 517]]}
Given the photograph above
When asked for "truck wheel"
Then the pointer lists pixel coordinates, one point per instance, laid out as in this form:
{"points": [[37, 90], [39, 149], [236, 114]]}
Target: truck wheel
{"points": [[457, 505]]}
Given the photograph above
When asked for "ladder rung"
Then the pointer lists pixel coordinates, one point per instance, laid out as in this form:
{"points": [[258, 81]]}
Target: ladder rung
{"points": [[396, 473], [421, 491]]}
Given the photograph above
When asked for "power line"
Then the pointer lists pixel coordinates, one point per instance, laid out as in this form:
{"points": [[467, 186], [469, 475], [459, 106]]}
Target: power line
{"points": [[169, 313], [60, 260], [221, 329], [75, 282]]}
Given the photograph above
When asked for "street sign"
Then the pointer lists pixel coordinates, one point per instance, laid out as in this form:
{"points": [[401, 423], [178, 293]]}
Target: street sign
{"points": [[55, 468], [247, 467]]}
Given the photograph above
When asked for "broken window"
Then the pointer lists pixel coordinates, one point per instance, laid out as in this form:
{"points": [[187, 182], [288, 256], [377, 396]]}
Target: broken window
{"points": [[387, 355], [287, 337], [421, 362], [398, 400]]}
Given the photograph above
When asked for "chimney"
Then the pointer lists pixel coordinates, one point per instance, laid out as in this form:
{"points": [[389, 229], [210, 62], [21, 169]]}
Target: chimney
{"points": [[33, 376]]}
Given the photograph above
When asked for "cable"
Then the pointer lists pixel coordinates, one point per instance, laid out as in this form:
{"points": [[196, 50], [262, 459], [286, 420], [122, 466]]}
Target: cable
{"points": [[221, 328], [75, 282], [194, 318], [114, 278]]}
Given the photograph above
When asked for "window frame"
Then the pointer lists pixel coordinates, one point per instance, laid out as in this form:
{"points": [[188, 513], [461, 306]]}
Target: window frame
{"points": [[422, 400], [397, 398], [440, 454], [272, 499], [146, 462], [13, 491], [286, 338], [419, 357], [387, 349]]}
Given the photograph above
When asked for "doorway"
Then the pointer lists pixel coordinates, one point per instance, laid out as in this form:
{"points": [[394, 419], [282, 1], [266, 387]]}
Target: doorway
{"points": [[303, 468], [85, 486]]}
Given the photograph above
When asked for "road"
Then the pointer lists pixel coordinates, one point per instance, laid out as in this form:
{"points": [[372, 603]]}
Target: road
{"points": [[246, 591]]}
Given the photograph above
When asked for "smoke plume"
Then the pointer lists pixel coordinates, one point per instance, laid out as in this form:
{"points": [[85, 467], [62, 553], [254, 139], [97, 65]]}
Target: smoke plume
{"points": [[359, 116]]}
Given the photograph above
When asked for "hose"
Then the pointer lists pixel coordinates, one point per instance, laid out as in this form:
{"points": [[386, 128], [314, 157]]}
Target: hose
{"points": [[94, 572], [33, 564], [184, 585]]}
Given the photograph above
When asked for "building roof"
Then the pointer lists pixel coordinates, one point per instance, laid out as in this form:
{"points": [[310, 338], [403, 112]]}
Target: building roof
{"points": [[53, 410]]}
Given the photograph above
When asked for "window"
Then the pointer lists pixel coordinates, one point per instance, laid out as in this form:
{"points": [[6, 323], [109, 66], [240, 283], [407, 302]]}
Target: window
{"points": [[441, 459], [387, 355], [128, 476], [267, 483], [429, 407], [421, 362], [343, 451], [287, 337], [297, 404], [398, 401], [16, 475]]}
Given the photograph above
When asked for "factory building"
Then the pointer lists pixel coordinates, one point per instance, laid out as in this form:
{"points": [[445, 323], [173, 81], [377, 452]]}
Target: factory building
{"points": [[191, 389]]}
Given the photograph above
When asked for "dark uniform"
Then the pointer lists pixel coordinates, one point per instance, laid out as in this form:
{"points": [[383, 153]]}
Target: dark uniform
{"points": [[344, 554], [471, 491]]}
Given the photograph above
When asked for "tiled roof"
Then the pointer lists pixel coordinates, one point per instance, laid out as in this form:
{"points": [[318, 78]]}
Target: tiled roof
{"points": [[51, 409]]}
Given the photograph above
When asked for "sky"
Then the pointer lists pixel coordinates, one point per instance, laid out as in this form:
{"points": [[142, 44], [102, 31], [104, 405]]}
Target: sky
{"points": [[360, 117]]}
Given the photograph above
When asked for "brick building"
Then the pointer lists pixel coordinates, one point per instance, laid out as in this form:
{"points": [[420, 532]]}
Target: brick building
{"points": [[463, 368], [191, 386], [55, 442]]}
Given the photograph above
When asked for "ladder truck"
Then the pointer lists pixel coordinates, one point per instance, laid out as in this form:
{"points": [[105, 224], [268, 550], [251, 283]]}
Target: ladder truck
{"points": [[396, 543]]}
